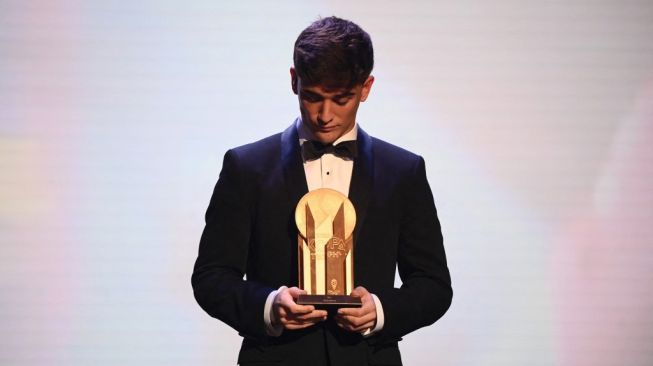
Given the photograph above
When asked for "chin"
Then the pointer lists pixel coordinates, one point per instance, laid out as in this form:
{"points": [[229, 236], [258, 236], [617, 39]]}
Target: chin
{"points": [[326, 138]]}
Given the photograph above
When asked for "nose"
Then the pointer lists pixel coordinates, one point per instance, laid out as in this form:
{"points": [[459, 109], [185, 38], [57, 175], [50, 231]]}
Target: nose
{"points": [[325, 113]]}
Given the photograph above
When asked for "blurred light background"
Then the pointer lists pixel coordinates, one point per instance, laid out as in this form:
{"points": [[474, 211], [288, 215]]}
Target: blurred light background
{"points": [[535, 119]]}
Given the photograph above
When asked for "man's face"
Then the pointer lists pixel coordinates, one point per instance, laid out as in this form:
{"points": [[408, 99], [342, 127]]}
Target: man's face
{"points": [[329, 113]]}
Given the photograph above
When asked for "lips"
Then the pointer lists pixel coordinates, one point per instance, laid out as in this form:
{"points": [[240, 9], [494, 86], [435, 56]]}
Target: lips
{"points": [[327, 129]]}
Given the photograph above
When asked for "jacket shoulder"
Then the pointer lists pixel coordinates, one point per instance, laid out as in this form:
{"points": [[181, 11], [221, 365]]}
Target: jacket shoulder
{"points": [[392, 155], [254, 158], [265, 147]]}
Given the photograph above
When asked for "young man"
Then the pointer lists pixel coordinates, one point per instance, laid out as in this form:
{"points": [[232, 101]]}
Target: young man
{"points": [[250, 229]]}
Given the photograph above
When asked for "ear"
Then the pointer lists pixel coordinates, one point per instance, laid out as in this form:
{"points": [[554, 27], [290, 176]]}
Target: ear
{"points": [[293, 79], [367, 87]]}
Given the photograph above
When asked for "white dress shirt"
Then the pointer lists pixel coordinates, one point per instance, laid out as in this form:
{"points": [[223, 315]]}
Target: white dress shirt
{"points": [[329, 171]]}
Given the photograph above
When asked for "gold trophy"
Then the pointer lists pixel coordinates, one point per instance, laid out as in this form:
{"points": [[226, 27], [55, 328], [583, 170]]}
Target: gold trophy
{"points": [[325, 220]]}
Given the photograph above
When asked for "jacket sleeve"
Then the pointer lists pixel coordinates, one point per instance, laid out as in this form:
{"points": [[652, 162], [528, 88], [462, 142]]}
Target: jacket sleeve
{"points": [[425, 294], [217, 280]]}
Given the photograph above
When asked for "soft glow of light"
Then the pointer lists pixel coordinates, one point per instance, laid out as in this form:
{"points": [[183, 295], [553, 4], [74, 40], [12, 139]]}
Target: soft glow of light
{"points": [[535, 121]]}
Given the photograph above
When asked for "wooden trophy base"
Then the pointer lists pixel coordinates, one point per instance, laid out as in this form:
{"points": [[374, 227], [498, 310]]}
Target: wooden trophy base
{"points": [[330, 302]]}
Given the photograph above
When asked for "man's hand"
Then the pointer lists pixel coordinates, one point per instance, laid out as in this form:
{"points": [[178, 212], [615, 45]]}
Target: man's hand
{"points": [[358, 319], [293, 316]]}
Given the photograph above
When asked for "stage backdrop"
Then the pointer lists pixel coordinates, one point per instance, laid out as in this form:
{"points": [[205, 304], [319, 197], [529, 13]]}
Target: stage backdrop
{"points": [[535, 119]]}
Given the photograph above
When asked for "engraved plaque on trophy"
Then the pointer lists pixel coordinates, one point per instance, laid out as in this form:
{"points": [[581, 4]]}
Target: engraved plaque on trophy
{"points": [[325, 221]]}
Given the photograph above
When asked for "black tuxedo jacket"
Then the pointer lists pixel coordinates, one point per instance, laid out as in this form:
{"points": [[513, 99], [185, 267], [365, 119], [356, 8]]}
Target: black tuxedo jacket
{"points": [[250, 231]]}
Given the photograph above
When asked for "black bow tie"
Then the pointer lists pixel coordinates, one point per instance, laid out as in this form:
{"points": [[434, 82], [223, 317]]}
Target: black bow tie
{"points": [[312, 150]]}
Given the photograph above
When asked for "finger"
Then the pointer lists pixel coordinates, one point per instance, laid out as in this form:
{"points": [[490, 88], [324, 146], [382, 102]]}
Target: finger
{"points": [[316, 314], [293, 323], [287, 321], [356, 321], [290, 305], [293, 308], [355, 328], [298, 326], [360, 329], [351, 312], [288, 295], [281, 312], [367, 308], [363, 327], [285, 311]]}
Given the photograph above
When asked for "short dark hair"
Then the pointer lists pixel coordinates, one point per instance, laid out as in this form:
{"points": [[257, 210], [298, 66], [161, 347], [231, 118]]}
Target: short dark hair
{"points": [[333, 52]]}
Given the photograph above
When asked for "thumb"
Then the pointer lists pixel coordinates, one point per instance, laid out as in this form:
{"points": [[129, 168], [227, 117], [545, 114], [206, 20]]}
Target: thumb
{"points": [[359, 291], [295, 292]]}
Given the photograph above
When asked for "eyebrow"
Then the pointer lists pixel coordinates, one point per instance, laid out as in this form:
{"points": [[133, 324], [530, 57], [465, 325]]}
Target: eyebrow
{"points": [[341, 95], [344, 95]]}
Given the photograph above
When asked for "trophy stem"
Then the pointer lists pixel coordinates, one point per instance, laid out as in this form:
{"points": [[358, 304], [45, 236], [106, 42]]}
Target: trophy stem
{"points": [[310, 241]]}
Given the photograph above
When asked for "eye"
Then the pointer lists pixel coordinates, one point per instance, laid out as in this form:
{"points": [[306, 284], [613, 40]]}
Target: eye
{"points": [[342, 101], [310, 97]]}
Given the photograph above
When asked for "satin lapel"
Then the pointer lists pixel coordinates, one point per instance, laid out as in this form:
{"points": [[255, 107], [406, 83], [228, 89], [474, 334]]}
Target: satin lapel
{"points": [[293, 168], [361, 179]]}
